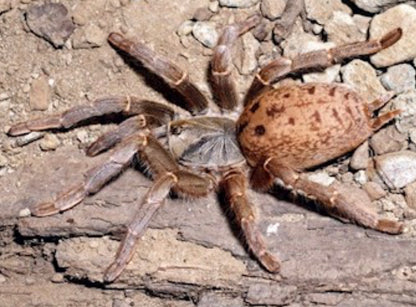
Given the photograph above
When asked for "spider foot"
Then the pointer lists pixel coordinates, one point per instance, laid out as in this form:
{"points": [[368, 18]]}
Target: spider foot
{"points": [[389, 226]]}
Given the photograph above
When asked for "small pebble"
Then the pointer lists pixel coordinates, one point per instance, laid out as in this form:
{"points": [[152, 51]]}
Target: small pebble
{"points": [[238, 3], [359, 159], [410, 194], [24, 212], [360, 177], [2, 278], [321, 178], [272, 9], [205, 33], [83, 136], [399, 78], [185, 28], [49, 142], [214, 6], [29, 138], [403, 16], [323, 12], [202, 14], [342, 29], [362, 77], [397, 169], [30, 281], [387, 140], [58, 278]]}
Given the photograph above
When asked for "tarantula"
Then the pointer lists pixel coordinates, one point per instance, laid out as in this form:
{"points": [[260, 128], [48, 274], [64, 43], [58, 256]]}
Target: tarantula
{"points": [[280, 133]]}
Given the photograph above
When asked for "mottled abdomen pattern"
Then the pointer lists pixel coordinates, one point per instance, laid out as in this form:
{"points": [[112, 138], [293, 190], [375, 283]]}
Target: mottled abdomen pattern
{"points": [[303, 125]]}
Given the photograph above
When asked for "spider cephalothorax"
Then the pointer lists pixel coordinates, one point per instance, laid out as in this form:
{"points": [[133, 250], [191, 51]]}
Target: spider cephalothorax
{"points": [[281, 133]]}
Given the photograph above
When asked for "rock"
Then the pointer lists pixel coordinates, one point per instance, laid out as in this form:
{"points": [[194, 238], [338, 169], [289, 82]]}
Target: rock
{"points": [[359, 159], [397, 169], [49, 142], [39, 94], [263, 31], [342, 29], [297, 41], [374, 6], [29, 138], [169, 260], [399, 78], [323, 10], [360, 177], [374, 190], [410, 195], [202, 14], [90, 36], [321, 178], [213, 6], [238, 3], [58, 278], [185, 28], [245, 60], [272, 9], [50, 21], [205, 33], [406, 102], [388, 140], [362, 22], [403, 16], [362, 77]]}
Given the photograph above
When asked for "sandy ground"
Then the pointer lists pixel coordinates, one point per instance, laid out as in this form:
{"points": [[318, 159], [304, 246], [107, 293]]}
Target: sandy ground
{"points": [[191, 256]]}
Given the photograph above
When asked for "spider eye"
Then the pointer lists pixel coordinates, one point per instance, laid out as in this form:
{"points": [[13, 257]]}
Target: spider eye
{"points": [[175, 130]]}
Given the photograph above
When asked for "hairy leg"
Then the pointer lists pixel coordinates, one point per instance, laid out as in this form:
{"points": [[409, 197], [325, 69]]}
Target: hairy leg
{"points": [[222, 82], [168, 176], [330, 198], [172, 74], [234, 185], [103, 106], [281, 67], [95, 178]]}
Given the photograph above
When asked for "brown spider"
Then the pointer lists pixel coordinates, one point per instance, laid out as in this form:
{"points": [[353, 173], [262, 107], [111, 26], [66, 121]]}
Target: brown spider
{"points": [[281, 133]]}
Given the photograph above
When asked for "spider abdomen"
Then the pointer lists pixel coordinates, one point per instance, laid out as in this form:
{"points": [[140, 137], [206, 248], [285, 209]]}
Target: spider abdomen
{"points": [[303, 125]]}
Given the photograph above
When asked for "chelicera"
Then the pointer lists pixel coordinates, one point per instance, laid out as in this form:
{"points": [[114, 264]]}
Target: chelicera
{"points": [[281, 133]]}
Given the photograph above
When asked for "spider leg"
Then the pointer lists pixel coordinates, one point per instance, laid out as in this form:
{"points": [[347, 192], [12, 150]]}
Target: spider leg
{"points": [[95, 178], [172, 74], [234, 185], [331, 199], [150, 115], [222, 82], [168, 176], [286, 22], [281, 67], [103, 106]]}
